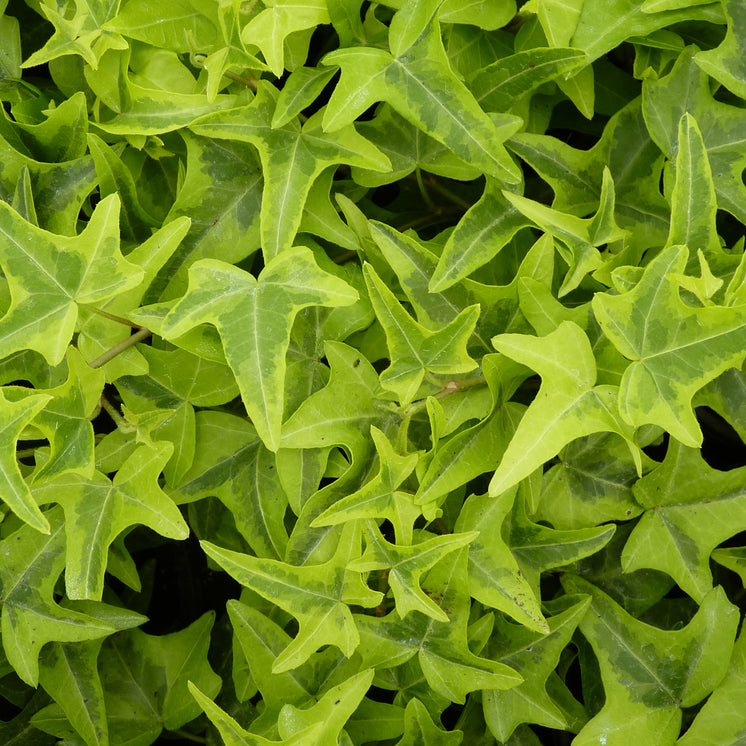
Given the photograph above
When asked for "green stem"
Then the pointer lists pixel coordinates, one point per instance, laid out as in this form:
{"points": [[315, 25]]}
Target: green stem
{"points": [[118, 349], [423, 191], [110, 316], [189, 736], [433, 183], [115, 415]]}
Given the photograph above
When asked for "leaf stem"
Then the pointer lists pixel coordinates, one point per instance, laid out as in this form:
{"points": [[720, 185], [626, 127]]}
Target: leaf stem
{"points": [[110, 316], [115, 415], [423, 191], [434, 184], [117, 349], [189, 736]]}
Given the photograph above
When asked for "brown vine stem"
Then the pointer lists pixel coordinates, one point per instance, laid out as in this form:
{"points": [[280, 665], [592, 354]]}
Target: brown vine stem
{"points": [[118, 349]]}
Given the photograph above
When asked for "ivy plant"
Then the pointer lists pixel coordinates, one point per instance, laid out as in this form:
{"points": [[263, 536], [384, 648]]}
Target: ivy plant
{"points": [[371, 373]]}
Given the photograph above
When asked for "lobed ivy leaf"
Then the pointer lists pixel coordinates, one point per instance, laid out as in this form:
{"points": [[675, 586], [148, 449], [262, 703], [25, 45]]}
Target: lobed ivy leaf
{"points": [[416, 80], [97, 510], [50, 275], [316, 595], [690, 508], [568, 405], [254, 318], [31, 617], [669, 364], [292, 157], [413, 349], [648, 673]]}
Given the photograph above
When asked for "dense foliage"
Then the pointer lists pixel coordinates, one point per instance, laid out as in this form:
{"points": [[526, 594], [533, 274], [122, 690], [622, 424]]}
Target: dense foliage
{"points": [[371, 373]]}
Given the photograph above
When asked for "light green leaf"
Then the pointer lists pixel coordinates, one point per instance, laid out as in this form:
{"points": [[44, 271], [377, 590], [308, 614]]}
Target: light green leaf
{"points": [[314, 594], [719, 721], [420, 85], [687, 89], [301, 89], [420, 730], [495, 579], [232, 464], [29, 570], [535, 658], [343, 411], [379, 497], [500, 85], [333, 709], [648, 673], [65, 420], [725, 63], [690, 508], [49, 275], [449, 666], [669, 364], [568, 405], [97, 510], [254, 318], [15, 416], [405, 565], [146, 677], [414, 350], [234, 735], [292, 157]]}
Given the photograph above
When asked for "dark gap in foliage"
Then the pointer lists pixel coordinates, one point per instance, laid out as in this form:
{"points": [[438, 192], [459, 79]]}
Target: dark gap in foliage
{"points": [[528, 390], [184, 587], [550, 737], [323, 40], [728, 227], [573, 138], [705, 35], [623, 57], [378, 694], [386, 194], [387, 531], [449, 717], [657, 450], [722, 448], [322, 99]]}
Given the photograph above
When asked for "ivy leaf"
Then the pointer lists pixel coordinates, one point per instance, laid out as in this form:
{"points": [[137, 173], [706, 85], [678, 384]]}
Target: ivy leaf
{"points": [[343, 411], [687, 89], [292, 157], [535, 658], [379, 496], [648, 673], [234, 735], [274, 24], [83, 33], [49, 275], [413, 349], [97, 510], [690, 508], [581, 237], [68, 671], [725, 63], [65, 420], [669, 364], [693, 201], [316, 595], [442, 651], [15, 416], [405, 565], [495, 579], [146, 677], [417, 81], [717, 722], [576, 175], [419, 728], [254, 318], [333, 709], [232, 464], [568, 405], [29, 571]]}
